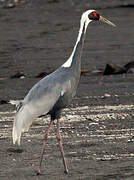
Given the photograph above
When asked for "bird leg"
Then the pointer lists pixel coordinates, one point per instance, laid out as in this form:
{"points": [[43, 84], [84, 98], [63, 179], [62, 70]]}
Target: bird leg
{"points": [[44, 144], [59, 139]]}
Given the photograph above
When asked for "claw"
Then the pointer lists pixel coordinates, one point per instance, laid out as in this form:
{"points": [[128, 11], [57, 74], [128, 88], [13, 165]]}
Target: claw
{"points": [[38, 172]]}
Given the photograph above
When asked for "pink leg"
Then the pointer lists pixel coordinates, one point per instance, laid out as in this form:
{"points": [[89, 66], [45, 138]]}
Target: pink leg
{"points": [[44, 144], [59, 139]]}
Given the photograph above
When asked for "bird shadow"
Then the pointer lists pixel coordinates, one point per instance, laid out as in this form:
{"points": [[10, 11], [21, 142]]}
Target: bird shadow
{"points": [[15, 150]]}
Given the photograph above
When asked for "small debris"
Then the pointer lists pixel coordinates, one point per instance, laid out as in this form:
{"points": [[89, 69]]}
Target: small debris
{"points": [[84, 72], [116, 95], [97, 71], [18, 75], [130, 140], [94, 123], [107, 95], [7, 4]]}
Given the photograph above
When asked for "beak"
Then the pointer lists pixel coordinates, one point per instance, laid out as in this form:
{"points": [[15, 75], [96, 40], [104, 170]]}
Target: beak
{"points": [[106, 21]]}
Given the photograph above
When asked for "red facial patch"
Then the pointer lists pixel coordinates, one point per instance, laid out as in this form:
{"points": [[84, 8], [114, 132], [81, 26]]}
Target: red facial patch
{"points": [[94, 15]]}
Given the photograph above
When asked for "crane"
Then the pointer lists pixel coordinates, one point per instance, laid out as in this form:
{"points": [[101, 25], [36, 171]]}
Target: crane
{"points": [[55, 91]]}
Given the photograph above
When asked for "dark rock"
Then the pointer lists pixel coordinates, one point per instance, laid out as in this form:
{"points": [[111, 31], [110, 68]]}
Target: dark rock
{"points": [[53, 1], [129, 65], [113, 69], [42, 74], [12, 150], [3, 101]]}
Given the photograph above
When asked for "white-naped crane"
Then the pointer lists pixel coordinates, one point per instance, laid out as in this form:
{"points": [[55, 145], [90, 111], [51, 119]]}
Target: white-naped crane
{"points": [[54, 92]]}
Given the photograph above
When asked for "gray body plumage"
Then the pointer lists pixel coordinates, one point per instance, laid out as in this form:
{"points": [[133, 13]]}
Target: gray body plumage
{"points": [[54, 92], [51, 94]]}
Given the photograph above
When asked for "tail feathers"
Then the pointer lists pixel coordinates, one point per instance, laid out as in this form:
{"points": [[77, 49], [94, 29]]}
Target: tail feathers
{"points": [[14, 102], [16, 136], [22, 121]]}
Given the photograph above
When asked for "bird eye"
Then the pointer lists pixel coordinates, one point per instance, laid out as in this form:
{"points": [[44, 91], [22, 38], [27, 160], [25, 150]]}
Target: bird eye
{"points": [[94, 16]]}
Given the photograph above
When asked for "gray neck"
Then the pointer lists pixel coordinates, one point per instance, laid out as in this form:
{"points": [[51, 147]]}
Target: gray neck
{"points": [[74, 61], [77, 52]]}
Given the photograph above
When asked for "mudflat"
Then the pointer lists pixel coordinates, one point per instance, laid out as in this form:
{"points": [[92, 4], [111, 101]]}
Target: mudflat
{"points": [[98, 127]]}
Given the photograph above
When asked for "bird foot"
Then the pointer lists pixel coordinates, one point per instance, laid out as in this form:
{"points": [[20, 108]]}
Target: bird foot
{"points": [[38, 172], [66, 171]]}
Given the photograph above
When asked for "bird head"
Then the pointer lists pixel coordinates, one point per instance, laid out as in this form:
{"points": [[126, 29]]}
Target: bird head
{"points": [[92, 15]]}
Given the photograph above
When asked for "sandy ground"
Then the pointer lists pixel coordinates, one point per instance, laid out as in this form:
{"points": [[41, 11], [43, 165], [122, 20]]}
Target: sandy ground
{"points": [[98, 128]]}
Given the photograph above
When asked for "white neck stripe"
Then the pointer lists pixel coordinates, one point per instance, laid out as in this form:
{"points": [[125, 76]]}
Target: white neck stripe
{"points": [[84, 20]]}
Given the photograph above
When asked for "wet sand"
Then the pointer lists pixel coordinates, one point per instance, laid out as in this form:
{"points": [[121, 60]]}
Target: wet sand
{"points": [[98, 129]]}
